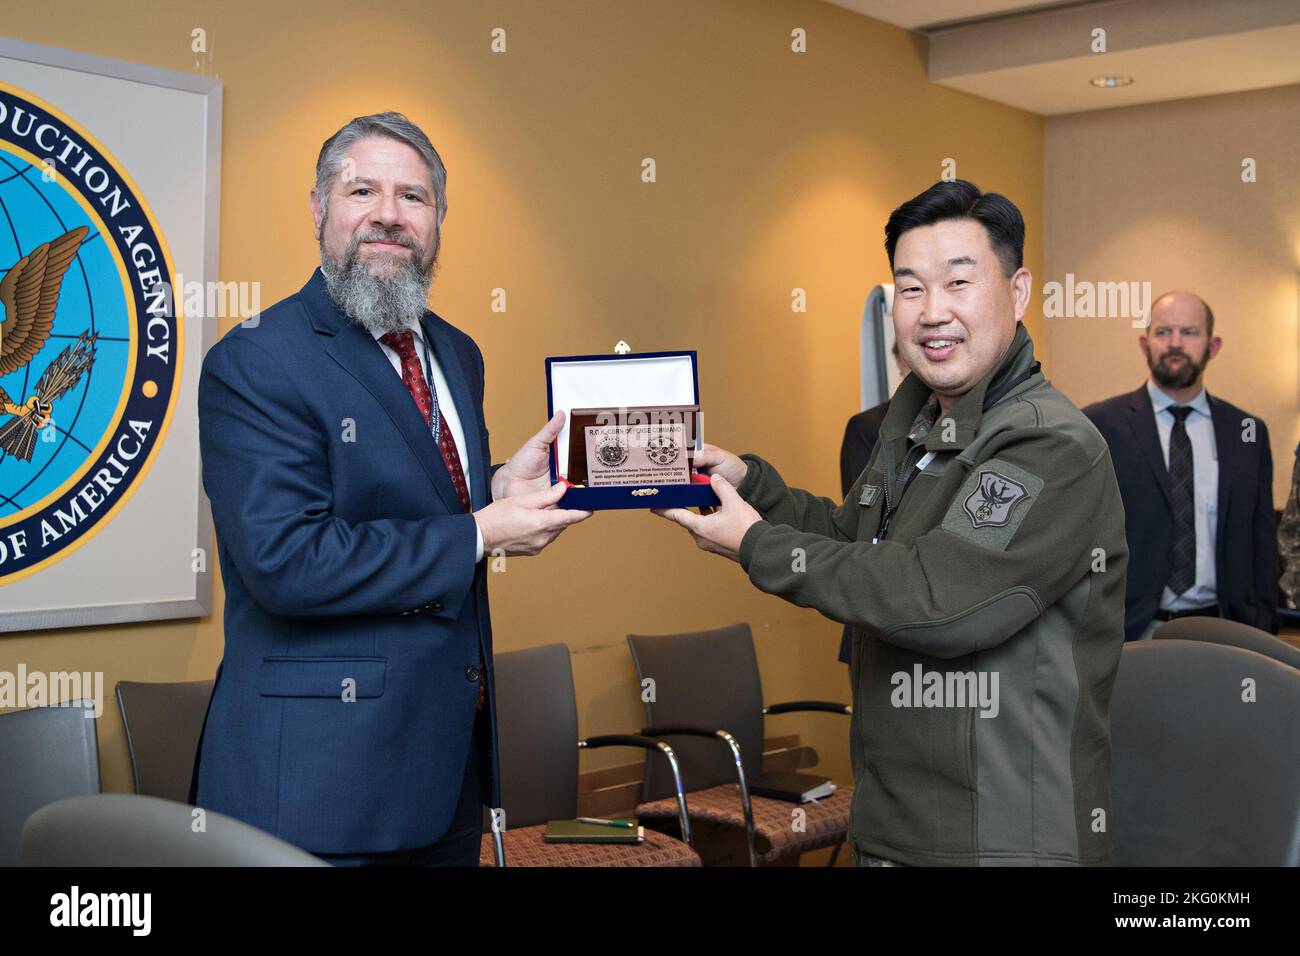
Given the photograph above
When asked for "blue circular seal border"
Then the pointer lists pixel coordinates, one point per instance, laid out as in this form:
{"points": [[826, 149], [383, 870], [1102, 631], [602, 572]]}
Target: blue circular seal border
{"points": [[157, 409]]}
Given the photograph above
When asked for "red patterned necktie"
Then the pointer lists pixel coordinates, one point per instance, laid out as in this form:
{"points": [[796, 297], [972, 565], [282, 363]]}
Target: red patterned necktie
{"points": [[413, 378], [403, 343]]}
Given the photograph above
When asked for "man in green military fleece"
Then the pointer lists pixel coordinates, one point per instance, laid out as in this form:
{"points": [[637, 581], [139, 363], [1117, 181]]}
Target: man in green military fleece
{"points": [[979, 558]]}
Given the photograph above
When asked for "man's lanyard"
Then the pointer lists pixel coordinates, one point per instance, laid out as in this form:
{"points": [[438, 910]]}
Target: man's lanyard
{"points": [[888, 515], [435, 414]]}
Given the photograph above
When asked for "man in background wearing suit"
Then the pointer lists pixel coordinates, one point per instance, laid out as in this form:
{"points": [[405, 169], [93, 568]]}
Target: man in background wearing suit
{"points": [[860, 434], [855, 451], [346, 459], [1196, 476]]}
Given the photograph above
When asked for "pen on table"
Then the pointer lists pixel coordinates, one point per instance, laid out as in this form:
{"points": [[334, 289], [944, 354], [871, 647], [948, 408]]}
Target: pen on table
{"points": [[607, 823]]}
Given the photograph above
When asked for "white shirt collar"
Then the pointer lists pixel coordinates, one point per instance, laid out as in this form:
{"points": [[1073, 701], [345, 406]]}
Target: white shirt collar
{"points": [[1160, 401], [412, 324]]}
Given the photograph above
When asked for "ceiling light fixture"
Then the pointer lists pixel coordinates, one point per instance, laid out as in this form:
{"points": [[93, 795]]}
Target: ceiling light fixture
{"points": [[1108, 81]]}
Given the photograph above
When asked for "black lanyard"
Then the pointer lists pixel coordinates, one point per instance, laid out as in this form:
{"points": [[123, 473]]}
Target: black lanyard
{"points": [[887, 514]]}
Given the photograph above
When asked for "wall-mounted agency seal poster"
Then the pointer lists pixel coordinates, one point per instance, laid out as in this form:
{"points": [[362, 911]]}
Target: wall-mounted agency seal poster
{"points": [[108, 215]]}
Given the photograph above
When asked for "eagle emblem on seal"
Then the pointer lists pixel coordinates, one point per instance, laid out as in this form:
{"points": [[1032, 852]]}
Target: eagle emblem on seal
{"points": [[611, 451], [30, 295]]}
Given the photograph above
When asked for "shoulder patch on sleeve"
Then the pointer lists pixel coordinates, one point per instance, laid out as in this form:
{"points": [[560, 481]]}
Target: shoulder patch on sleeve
{"points": [[992, 502]]}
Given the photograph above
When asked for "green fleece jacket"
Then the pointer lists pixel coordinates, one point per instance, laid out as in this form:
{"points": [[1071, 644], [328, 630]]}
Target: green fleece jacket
{"points": [[987, 611]]}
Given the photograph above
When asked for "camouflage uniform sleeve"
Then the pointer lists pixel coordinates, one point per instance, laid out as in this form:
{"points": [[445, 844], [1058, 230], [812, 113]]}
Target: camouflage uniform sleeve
{"points": [[1024, 526], [1288, 537]]}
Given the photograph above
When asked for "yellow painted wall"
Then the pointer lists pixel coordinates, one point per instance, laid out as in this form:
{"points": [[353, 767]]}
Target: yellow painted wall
{"points": [[775, 171]]}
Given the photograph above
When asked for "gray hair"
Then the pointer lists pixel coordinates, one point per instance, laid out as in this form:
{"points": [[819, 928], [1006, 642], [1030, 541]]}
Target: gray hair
{"points": [[393, 126]]}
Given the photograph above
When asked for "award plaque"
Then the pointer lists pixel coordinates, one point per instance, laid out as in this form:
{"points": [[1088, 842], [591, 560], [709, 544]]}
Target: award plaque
{"points": [[640, 445], [632, 425]]}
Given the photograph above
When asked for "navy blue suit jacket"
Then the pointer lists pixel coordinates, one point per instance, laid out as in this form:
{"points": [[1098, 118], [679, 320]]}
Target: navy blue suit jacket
{"points": [[1245, 563], [348, 562]]}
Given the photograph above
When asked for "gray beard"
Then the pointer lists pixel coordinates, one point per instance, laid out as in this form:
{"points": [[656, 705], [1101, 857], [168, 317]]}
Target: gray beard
{"points": [[377, 305]]}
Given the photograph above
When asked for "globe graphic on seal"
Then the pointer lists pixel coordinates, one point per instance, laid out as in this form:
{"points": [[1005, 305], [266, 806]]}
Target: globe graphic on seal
{"points": [[37, 208]]}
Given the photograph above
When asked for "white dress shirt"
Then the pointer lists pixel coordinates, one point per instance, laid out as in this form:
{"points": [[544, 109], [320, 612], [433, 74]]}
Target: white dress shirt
{"points": [[446, 404], [1205, 479]]}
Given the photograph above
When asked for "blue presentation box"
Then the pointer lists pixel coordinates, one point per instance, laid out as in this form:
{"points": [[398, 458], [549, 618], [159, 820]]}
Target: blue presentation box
{"points": [[623, 381]]}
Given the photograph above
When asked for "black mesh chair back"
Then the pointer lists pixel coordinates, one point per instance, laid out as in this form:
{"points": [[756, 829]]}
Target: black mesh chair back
{"points": [[46, 754], [537, 733], [163, 722], [1202, 775], [707, 679], [1217, 630]]}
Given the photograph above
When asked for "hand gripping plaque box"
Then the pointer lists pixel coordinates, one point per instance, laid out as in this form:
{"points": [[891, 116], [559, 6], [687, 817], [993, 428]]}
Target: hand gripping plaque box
{"points": [[632, 425]]}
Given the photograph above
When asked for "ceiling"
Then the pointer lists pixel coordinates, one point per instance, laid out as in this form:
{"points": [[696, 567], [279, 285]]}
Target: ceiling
{"points": [[1038, 55], [920, 14]]}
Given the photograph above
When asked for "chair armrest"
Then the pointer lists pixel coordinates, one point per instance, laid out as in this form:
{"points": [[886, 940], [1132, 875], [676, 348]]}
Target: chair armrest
{"points": [[619, 740], [670, 730], [649, 743], [805, 705]]}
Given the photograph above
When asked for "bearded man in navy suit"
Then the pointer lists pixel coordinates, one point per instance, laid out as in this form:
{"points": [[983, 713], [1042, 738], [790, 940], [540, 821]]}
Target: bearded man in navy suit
{"points": [[1196, 476], [346, 458]]}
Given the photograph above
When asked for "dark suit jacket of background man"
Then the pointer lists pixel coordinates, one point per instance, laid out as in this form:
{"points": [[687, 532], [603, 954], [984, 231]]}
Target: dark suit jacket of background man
{"points": [[345, 555], [855, 451], [1245, 566]]}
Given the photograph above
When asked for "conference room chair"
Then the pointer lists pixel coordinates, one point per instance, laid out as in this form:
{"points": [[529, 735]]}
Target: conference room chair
{"points": [[46, 754], [708, 703], [1205, 759], [163, 722], [1217, 630], [537, 734], [122, 829]]}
